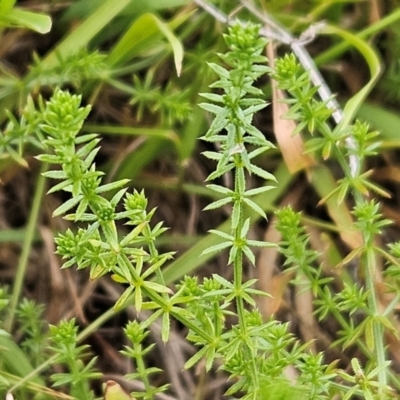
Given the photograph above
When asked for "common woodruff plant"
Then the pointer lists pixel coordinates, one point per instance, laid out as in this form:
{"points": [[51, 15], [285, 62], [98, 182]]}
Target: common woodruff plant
{"points": [[255, 354], [349, 146]]}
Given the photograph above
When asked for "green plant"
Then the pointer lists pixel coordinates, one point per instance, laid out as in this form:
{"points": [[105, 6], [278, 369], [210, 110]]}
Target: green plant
{"points": [[78, 375], [32, 329], [248, 346], [220, 315], [359, 295]]}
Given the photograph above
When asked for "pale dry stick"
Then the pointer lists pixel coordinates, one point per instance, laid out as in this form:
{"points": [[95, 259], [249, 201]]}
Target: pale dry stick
{"points": [[273, 30]]}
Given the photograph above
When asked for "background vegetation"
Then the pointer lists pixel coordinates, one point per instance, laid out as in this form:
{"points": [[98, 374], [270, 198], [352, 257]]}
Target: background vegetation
{"points": [[141, 66]]}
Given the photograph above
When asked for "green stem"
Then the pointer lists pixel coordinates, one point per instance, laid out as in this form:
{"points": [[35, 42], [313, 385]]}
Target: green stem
{"points": [[154, 254], [78, 387], [344, 164], [26, 248], [141, 367], [379, 342], [238, 275]]}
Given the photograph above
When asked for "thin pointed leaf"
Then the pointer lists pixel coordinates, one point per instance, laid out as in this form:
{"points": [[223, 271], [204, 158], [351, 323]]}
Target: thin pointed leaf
{"points": [[216, 248], [165, 327], [212, 108], [123, 298], [245, 228], [220, 189], [55, 174], [249, 254], [218, 203], [262, 173], [221, 234], [255, 207], [67, 206], [258, 190]]}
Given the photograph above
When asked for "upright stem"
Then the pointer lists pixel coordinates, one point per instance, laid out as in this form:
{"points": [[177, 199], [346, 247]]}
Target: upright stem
{"points": [[26, 248], [378, 331], [238, 272]]}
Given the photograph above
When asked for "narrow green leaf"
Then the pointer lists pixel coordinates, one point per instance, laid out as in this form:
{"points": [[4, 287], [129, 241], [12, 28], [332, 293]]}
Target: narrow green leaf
{"points": [[111, 235], [372, 59], [64, 185], [236, 214], [369, 334], [37, 22], [87, 148], [224, 282], [210, 356], [17, 157], [80, 37], [219, 123], [138, 299], [133, 234], [211, 108], [255, 207], [175, 43], [15, 360], [81, 209], [245, 228], [221, 234], [123, 298], [118, 278], [196, 358], [262, 173], [258, 190], [218, 203], [118, 196], [67, 206], [141, 33], [220, 189], [157, 287], [55, 174], [49, 158], [259, 243], [212, 97], [165, 327], [220, 71], [249, 254], [232, 254], [216, 248]]}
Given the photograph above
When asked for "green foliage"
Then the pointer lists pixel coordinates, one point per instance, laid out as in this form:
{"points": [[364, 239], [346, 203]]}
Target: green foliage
{"points": [[136, 333], [220, 315], [30, 317], [11, 16], [65, 346], [170, 103], [75, 69], [354, 143]]}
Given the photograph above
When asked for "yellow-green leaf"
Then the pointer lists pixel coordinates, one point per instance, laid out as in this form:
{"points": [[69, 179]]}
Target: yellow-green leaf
{"points": [[369, 334], [372, 59], [38, 22], [143, 32]]}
